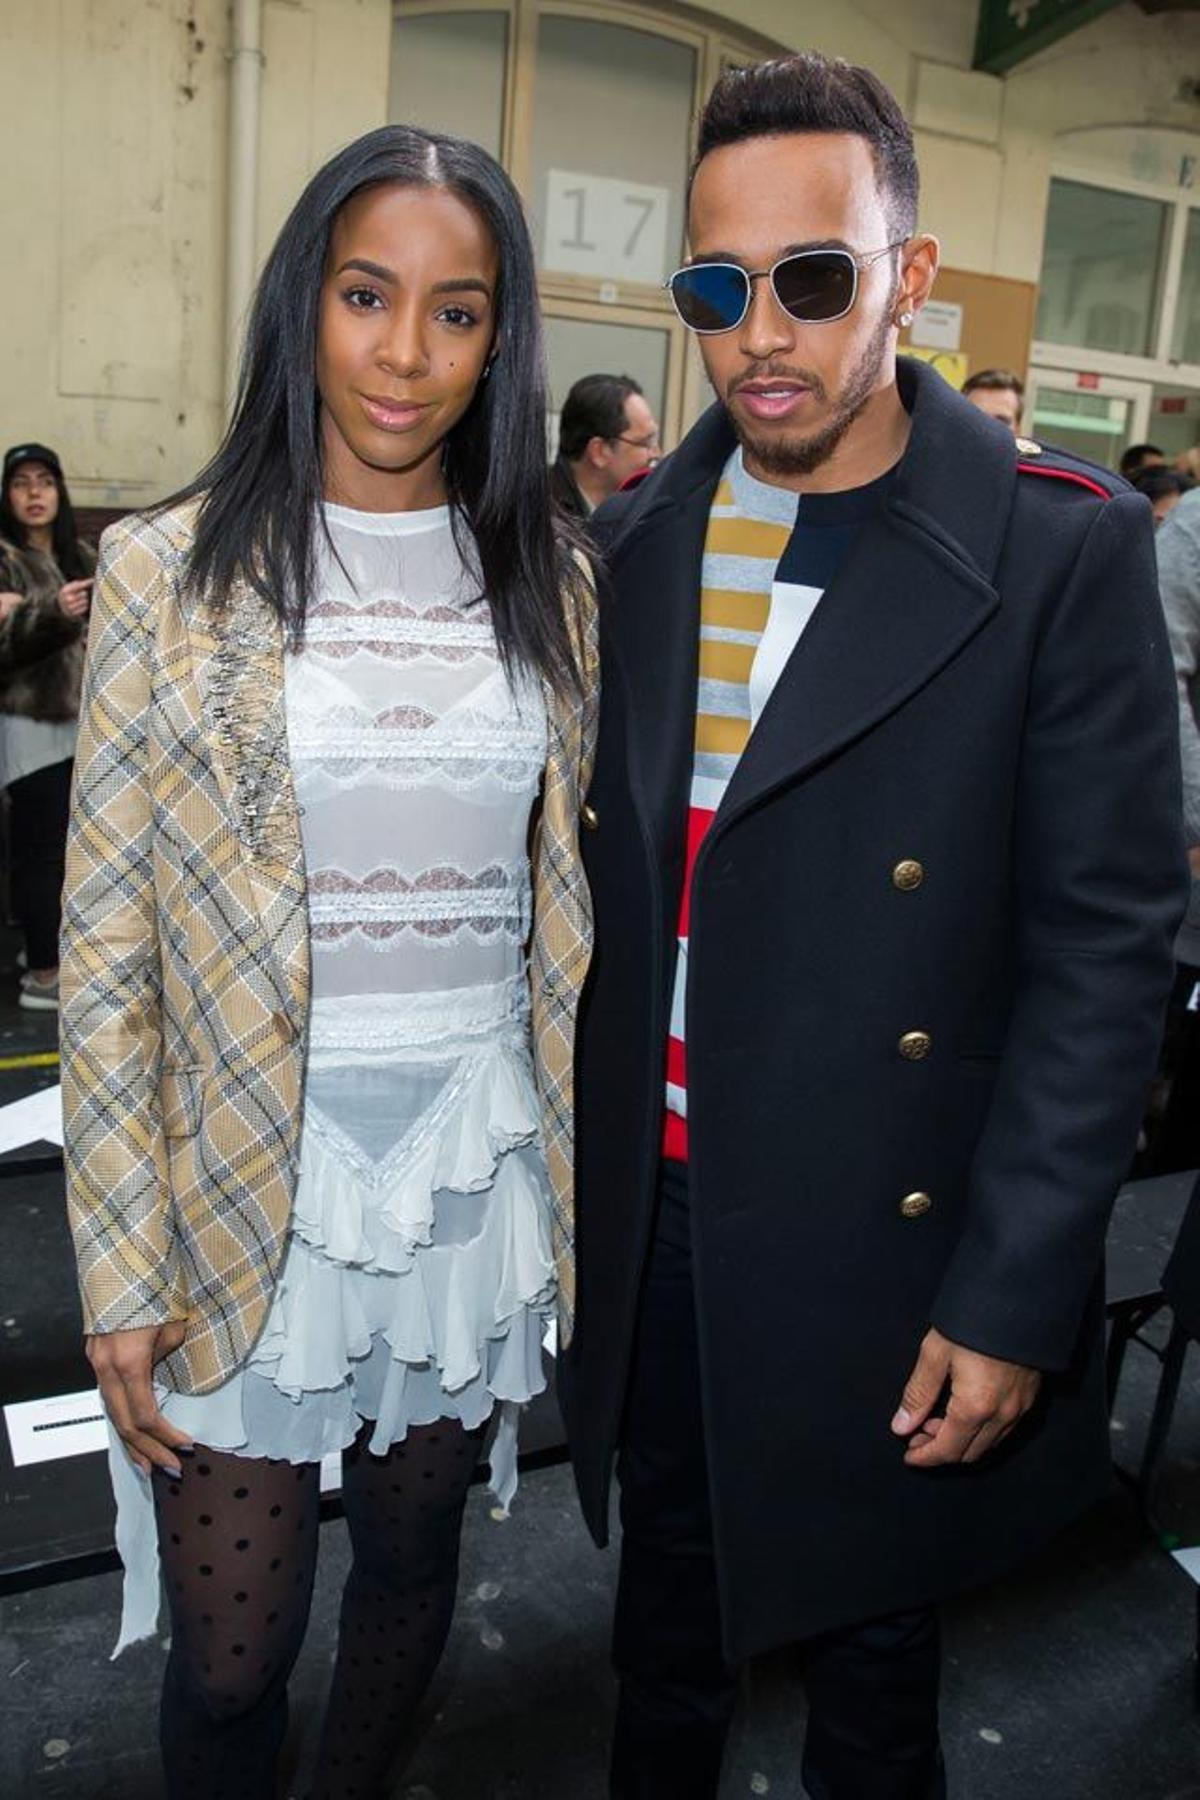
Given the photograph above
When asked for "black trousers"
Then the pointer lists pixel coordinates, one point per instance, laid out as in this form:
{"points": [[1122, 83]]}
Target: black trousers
{"points": [[38, 845], [872, 1689]]}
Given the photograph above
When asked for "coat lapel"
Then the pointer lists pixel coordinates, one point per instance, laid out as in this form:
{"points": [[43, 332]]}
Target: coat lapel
{"points": [[896, 613], [237, 658]]}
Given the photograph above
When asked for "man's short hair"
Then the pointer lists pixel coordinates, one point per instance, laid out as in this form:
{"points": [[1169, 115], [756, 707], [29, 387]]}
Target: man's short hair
{"points": [[595, 407], [1157, 482], [996, 381], [1133, 458], [813, 93]]}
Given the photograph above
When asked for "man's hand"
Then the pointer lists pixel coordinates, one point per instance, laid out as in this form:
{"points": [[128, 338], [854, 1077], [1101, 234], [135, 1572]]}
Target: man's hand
{"points": [[1194, 859], [987, 1398], [123, 1362], [74, 598]]}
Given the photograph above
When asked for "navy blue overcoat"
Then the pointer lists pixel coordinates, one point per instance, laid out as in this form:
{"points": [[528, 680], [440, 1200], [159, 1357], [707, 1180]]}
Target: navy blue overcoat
{"points": [[959, 815]]}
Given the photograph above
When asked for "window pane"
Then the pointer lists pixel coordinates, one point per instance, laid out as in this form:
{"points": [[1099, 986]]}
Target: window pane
{"points": [[611, 130], [1101, 269], [1095, 426], [448, 74], [1185, 342], [577, 347]]}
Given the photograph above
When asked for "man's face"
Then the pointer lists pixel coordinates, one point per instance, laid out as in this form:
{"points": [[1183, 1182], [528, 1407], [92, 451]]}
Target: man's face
{"points": [[611, 461], [793, 390], [999, 403]]}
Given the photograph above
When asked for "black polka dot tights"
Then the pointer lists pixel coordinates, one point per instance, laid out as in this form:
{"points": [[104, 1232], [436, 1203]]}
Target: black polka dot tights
{"points": [[238, 1537]]}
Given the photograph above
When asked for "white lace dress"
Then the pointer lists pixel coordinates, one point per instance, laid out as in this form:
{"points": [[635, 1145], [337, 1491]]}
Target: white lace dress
{"points": [[418, 1276]]}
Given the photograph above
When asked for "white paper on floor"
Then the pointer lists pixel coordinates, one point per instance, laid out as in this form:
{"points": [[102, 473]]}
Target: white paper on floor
{"points": [[63, 1425], [1189, 1562], [30, 1120]]}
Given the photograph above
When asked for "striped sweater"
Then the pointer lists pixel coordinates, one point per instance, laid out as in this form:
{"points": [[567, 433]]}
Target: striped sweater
{"points": [[768, 557]]}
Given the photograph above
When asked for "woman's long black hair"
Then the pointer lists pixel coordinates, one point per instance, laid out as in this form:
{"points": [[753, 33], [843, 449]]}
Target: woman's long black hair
{"points": [[71, 565], [260, 508]]}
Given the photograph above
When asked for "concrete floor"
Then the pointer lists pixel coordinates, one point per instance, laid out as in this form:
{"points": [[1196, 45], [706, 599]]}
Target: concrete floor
{"points": [[1074, 1681]]}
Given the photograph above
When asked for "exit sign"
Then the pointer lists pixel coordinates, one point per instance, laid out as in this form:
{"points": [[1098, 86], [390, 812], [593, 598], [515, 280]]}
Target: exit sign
{"points": [[1012, 30]]}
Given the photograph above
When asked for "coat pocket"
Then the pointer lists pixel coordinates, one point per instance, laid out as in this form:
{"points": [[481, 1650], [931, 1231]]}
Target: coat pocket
{"points": [[180, 1096]]}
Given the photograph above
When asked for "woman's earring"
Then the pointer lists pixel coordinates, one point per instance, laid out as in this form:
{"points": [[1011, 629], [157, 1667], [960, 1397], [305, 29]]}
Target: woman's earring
{"points": [[488, 366], [906, 319]]}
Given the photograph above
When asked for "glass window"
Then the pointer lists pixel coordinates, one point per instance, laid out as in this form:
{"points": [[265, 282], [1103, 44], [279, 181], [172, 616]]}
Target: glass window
{"points": [[1101, 269], [448, 74], [611, 127], [577, 347], [1185, 343], [1095, 426]]}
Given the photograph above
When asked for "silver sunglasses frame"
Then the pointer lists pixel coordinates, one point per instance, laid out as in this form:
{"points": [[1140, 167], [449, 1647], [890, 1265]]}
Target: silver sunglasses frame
{"points": [[858, 260]]}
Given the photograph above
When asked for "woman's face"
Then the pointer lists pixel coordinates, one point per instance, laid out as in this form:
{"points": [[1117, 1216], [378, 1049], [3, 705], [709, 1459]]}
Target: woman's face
{"points": [[33, 496], [406, 326]]}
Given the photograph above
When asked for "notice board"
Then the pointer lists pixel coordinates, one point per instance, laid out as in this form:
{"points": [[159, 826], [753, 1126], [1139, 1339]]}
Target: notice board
{"points": [[998, 319]]}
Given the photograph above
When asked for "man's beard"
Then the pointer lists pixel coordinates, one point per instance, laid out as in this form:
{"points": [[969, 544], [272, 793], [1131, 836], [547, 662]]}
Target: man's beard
{"points": [[801, 455]]}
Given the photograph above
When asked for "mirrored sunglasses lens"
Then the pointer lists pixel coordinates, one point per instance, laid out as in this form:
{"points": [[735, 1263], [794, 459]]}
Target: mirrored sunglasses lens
{"points": [[816, 287], [710, 297]]}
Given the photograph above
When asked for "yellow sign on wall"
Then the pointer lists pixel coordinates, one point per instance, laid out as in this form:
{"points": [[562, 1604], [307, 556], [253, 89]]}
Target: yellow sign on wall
{"points": [[953, 364]]}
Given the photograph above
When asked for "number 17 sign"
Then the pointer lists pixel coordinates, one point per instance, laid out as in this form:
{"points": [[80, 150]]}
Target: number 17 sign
{"points": [[614, 230]]}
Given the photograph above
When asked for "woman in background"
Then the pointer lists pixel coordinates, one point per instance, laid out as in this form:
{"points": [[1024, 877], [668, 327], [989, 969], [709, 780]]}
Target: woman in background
{"points": [[46, 568], [329, 691]]}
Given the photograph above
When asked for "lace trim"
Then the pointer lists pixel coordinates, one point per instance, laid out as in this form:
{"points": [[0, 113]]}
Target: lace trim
{"points": [[439, 626], [377, 742], [409, 774], [380, 905], [446, 1020]]}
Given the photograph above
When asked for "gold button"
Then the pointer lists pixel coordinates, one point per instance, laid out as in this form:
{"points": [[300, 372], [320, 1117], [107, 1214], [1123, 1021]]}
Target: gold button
{"points": [[589, 816], [907, 875], [913, 1205], [915, 1046], [283, 1026]]}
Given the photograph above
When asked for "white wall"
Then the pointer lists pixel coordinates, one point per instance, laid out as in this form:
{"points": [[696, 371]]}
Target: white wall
{"points": [[112, 136]]}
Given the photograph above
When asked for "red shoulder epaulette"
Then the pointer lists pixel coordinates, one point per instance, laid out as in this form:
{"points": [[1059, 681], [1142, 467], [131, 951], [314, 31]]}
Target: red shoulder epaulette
{"points": [[1028, 454]]}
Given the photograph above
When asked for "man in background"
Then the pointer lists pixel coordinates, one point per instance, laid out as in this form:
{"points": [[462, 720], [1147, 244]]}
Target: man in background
{"points": [[1141, 456], [606, 434], [999, 393]]}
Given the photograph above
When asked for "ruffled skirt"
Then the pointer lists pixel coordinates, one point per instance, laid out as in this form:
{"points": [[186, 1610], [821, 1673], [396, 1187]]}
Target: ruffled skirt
{"points": [[418, 1278]]}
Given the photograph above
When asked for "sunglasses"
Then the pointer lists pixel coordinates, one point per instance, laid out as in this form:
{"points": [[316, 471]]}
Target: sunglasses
{"points": [[814, 287]]}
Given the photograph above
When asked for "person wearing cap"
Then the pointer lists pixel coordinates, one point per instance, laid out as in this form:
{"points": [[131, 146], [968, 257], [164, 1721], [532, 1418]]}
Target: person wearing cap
{"points": [[45, 589]]}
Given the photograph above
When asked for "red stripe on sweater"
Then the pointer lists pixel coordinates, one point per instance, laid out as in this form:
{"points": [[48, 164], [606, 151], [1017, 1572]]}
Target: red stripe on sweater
{"points": [[698, 823]]}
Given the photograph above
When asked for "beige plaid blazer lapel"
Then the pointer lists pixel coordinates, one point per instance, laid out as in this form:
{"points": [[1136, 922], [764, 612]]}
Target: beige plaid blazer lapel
{"points": [[562, 940]]}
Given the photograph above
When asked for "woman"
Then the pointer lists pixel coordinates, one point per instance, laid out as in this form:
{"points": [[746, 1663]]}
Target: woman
{"points": [[46, 569], [310, 1210]]}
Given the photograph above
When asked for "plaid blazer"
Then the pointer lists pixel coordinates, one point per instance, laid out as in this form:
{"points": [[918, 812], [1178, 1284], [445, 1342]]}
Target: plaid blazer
{"points": [[185, 977]]}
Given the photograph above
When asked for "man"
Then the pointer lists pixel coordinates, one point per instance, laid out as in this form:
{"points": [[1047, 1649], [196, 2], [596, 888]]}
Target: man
{"points": [[1163, 488], [999, 393], [606, 435], [1141, 456], [885, 859]]}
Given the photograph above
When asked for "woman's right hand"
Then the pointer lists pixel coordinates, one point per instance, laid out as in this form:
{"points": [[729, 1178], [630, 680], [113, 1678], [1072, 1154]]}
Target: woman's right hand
{"points": [[9, 602], [123, 1362], [75, 597]]}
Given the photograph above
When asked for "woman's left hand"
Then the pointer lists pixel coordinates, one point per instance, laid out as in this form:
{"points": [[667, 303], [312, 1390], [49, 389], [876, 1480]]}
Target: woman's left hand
{"points": [[75, 597]]}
